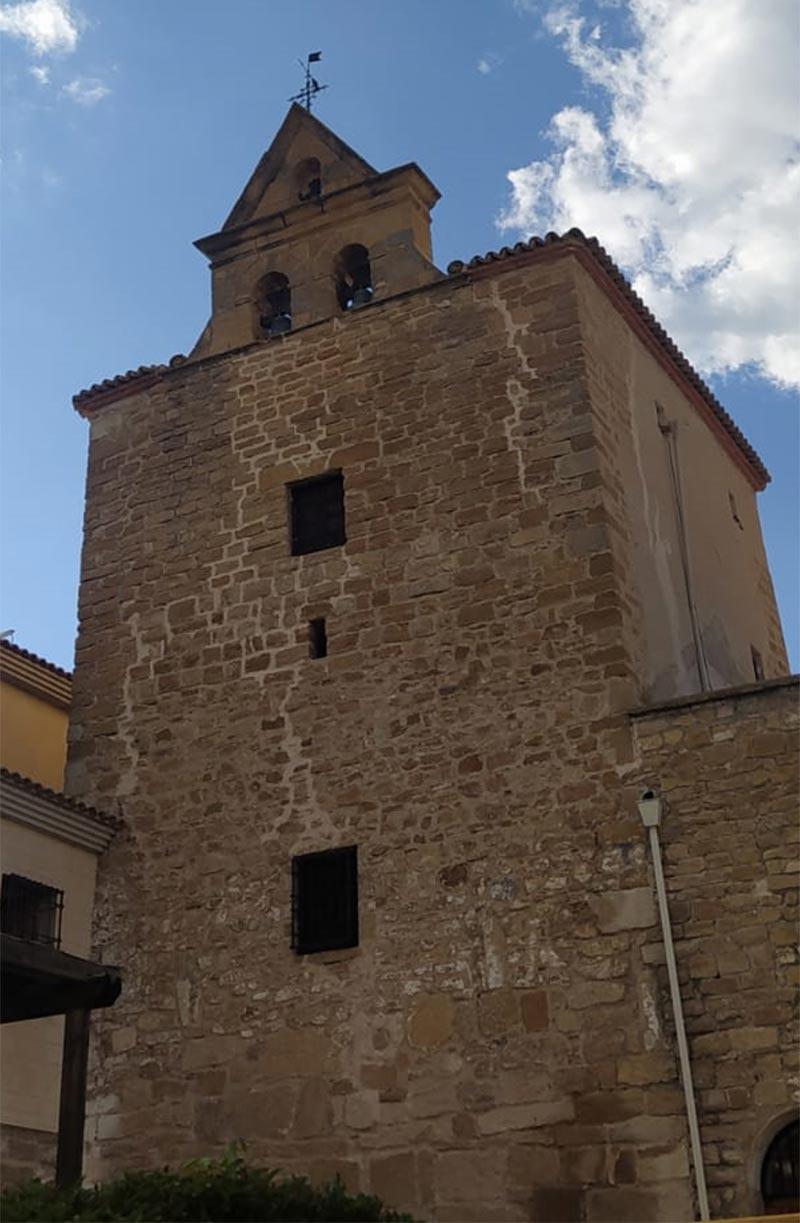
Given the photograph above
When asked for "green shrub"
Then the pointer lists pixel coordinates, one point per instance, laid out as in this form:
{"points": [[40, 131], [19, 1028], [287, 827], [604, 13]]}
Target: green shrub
{"points": [[203, 1191]]}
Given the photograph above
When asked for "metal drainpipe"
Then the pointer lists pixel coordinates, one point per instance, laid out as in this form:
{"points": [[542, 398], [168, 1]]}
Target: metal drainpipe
{"points": [[650, 811]]}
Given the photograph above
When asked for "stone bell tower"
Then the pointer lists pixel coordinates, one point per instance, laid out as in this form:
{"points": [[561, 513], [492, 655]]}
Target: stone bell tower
{"points": [[375, 585], [314, 224]]}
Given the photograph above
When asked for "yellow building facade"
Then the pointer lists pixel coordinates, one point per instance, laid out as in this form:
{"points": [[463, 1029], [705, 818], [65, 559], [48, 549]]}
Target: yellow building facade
{"points": [[50, 847]]}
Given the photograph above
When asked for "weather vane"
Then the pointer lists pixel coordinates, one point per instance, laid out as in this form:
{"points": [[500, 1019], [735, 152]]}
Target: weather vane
{"points": [[311, 87]]}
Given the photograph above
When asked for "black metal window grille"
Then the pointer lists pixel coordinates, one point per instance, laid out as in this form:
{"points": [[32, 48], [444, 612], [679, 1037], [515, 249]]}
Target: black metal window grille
{"points": [[31, 910], [316, 512], [780, 1172], [325, 900]]}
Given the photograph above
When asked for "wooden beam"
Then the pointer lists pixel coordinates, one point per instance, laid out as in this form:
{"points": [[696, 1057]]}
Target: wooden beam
{"points": [[72, 1106]]}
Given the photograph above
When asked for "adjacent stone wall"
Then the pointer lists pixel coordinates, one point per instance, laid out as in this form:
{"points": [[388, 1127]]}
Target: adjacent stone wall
{"points": [[25, 1153], [647, 432], [727, 766]]}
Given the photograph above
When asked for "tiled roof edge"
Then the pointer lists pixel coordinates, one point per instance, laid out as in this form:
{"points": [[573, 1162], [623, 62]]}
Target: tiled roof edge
{"points": [[72, 804], [576, 238], [35, 658], [128, 383]]}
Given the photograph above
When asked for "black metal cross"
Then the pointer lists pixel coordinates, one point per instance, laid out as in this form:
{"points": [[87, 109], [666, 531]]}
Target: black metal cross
{"points": [[311, 86]]}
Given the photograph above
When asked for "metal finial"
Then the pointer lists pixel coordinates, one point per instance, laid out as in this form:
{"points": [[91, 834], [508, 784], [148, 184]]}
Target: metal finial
{"points": [[311, 86]]}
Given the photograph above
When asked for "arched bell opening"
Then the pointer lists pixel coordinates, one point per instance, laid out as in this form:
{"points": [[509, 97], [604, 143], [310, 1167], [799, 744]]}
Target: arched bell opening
{"points": [[308, 179], [274, 300], [353, 276], [780, 1172]]}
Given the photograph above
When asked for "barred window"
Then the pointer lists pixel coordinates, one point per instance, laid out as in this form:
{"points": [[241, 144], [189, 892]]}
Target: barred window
{"points": [[325, 900], [316, 510], [31, 910]]}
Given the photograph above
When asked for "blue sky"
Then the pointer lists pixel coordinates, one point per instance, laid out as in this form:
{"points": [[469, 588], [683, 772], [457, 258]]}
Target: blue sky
{"points": [[131, 126]]}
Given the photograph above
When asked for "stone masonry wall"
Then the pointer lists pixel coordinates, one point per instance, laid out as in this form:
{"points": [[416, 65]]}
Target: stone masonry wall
{"points": [[727, 766], [496, 1047], [633, 400]]}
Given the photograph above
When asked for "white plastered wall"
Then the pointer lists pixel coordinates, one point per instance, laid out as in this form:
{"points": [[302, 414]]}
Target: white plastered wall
{"points": [[30, 1052]]}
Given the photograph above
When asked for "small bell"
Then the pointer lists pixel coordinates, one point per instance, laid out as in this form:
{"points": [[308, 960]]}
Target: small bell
{"points": [[362, 297]]}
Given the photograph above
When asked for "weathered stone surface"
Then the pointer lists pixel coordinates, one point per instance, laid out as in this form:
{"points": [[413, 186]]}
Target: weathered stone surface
{"points": [[535, 1011], [431, 1021], [393, 1178], [524, 1116], [631, 909]]}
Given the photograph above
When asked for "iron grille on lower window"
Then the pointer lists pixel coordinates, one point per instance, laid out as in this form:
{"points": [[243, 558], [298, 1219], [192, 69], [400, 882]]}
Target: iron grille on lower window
{"points": [[31, 910], [316, 511], [325, 900]]}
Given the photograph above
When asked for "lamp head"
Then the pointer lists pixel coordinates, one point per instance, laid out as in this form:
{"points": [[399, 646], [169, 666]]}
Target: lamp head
{"points": [[650, 809]]}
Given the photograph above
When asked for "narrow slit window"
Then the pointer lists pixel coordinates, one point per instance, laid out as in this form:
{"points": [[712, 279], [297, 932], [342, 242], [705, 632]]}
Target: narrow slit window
{"points": [[325, 900], [317, 638], [31, 910], [758, 663], [735, 511], [316, 511]]}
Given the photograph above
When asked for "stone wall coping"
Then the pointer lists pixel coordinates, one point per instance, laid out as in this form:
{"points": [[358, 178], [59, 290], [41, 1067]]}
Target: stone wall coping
{"points": [[720, 694]]}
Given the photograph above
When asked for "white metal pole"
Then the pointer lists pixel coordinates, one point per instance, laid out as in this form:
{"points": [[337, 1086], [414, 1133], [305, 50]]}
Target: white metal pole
{"points": [[650, 818]]}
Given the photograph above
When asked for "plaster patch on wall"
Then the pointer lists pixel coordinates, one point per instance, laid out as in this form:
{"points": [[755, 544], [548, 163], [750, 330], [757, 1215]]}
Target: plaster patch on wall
{"points": [[652, 1031], [515, 390]]}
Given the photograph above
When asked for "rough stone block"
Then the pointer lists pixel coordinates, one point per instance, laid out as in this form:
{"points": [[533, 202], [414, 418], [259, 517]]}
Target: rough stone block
{"points": [[627, 909], [431, 1021]]}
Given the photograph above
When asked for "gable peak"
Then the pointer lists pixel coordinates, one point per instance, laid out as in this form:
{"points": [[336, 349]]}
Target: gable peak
{"points": [[304, 149]]}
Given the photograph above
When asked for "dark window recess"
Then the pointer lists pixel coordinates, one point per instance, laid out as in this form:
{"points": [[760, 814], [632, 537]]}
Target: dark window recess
{"points": [[325, 900], [31, 910], [780, 1172], [316, 510], [317, 638], [758, 663], [735, 511]]}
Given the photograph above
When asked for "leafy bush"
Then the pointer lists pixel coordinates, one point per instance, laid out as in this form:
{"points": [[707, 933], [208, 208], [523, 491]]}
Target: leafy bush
{"points": [[203, 1191]]}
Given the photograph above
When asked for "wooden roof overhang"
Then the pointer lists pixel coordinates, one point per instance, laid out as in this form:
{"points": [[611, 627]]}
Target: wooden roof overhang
{"points": [[36, 980]]}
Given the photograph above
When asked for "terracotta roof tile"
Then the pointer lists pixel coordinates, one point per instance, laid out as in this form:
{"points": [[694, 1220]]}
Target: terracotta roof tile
{"points": [[576, 237], [72, 804], [129, 381], [31, 657]]}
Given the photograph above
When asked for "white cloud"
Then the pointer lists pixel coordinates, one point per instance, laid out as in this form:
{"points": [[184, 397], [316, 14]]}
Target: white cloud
{"points": [[86, 91], [48, 26], [688, 170], [41, 74], [488, 62]]}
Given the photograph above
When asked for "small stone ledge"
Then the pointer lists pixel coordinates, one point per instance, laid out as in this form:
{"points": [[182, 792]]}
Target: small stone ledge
{"points": [[720, 694]]}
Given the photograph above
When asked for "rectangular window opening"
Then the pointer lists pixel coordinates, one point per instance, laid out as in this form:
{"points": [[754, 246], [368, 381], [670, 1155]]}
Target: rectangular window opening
{"points": [[758, 663], [317, 638], [31, 910], [316, 513], [325, 900]]}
